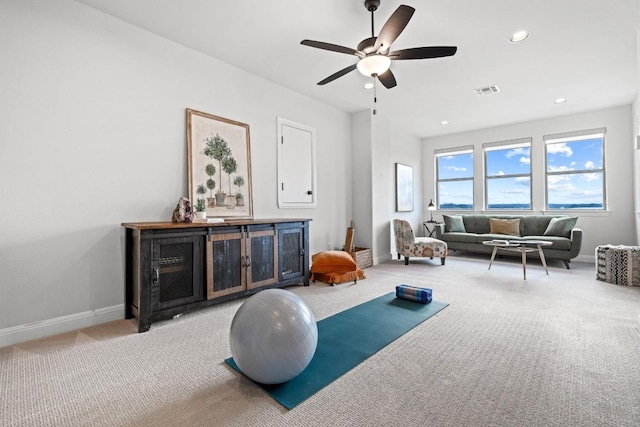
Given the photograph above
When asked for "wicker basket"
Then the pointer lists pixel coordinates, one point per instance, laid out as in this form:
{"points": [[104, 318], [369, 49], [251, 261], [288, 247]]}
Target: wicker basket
{"points": [[363, 257]]}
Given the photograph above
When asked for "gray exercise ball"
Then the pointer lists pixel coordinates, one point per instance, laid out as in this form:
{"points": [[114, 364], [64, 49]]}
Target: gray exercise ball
{"points": [[273, 336]]}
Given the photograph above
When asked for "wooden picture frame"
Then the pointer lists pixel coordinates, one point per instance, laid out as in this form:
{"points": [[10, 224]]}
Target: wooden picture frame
{"points": [[404, 188], [225, 145]]}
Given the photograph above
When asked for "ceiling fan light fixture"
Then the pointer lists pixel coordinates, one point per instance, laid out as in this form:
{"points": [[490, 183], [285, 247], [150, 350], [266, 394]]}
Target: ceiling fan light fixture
{"points": [[368, 85], [374, 65], [518, 36]]}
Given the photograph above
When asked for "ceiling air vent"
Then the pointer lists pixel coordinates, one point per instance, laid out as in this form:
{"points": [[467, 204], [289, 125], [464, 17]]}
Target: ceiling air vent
{"points": [[487, 90]]}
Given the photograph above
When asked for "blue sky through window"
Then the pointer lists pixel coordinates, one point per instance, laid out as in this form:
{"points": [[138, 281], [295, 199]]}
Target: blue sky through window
{"points": [[455, 181], [566, 188], [509, 177]]}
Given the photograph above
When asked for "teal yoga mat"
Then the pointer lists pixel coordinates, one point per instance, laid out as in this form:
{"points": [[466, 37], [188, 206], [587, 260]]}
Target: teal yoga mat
{"points": [[348, 338]]}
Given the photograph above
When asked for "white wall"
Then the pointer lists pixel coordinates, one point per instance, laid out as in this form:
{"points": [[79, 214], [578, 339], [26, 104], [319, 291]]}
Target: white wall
{"points": [[93, 135], [616, 225], [378, 145]]}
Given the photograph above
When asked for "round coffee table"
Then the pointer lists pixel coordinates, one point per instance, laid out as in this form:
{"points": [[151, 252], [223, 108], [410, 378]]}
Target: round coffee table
{"points": [[521, 246]]}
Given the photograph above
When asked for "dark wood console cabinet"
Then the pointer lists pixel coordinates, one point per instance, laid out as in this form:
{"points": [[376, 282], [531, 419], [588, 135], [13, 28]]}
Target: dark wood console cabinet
{"points": [[173, 268]]}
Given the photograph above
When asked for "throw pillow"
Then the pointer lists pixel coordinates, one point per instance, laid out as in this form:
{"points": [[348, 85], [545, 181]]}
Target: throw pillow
{"points": [[332, 262], [505, 226], [453, 224], [561, 226]]}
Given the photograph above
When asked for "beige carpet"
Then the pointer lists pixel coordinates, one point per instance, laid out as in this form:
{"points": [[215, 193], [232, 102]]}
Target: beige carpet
{"points": [[556, 350]]}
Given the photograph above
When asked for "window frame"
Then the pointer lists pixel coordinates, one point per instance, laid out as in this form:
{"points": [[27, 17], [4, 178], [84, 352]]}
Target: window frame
{"points": [[467, 149], [575, 136], [507, 145]]}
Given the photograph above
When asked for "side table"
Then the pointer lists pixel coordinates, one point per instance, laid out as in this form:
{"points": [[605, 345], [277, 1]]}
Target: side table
{"points": [[430, 228]]}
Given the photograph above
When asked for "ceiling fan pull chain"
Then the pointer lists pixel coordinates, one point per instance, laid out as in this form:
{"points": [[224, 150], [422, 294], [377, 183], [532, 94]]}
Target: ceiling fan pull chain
{"points": [[375, 96]]}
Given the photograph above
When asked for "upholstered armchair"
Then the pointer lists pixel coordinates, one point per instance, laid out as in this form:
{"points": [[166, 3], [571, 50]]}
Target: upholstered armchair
{"points": [[408, 245]]}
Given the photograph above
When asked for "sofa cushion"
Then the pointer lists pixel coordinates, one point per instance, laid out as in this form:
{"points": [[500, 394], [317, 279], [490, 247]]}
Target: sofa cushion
{"points": [[453, 223], [534, 225], [561, 226], [476, 223], [505, 226], [460, 237]]}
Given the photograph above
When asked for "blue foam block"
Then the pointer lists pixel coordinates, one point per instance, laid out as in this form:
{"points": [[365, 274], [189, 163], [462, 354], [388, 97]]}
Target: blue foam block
{"points": [[413, 293]]}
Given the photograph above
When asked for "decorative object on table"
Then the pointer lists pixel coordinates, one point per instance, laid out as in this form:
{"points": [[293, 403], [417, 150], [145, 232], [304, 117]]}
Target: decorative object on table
{"points": [[183, 211], [335, 267], [347, 339], [201, 209], [222, 146], [201, 206], [408, 245], [414, 293], [404, 188], [431, 208], [273, 336], [619, 265]]}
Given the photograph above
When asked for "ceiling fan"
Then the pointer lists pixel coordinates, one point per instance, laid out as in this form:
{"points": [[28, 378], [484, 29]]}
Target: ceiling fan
{"points": [[374, 52]]}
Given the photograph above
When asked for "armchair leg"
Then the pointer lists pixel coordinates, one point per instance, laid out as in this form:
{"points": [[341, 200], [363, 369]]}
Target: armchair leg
{"points": [[398, 256], [406, 260], [566, 263], [442, 260]]}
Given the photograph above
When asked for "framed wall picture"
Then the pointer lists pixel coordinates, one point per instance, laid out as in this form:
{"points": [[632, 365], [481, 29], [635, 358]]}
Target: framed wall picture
{"points": [[404, 188], [219, 165]]}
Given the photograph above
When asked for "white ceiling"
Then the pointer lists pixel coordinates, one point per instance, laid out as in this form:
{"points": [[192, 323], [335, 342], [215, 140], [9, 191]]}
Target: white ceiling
{"points": [[584, 51]]}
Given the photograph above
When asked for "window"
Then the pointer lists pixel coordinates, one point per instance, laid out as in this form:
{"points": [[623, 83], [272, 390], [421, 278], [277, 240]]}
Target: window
{"points": [[454, 180], [507, 174], [575, 175]]}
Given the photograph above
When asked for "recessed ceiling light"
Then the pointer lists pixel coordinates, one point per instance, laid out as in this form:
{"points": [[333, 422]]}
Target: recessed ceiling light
{"points": [[444, 122], [559, 101], [368, 85], [518, 36]]}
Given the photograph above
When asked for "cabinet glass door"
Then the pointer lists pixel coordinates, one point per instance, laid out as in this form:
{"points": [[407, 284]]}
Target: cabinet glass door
{"points": [[226, 258], [176, 272], [263, 258], [291, 249]]}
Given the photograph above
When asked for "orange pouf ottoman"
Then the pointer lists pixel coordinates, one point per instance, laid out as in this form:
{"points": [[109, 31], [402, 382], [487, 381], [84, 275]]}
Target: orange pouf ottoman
{"points": [[335, 267]]}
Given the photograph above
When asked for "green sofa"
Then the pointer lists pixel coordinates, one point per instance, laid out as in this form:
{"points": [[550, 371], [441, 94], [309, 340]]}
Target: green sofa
{"points": [[468, 231]]}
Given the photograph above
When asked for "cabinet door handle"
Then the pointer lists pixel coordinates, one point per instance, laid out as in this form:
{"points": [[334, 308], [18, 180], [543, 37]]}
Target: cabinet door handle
{"points": [[248, 261], [156, 276]]}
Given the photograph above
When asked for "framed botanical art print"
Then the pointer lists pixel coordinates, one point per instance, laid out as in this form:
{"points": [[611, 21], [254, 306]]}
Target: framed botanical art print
{"points": [[404, 188], [219, 165]]}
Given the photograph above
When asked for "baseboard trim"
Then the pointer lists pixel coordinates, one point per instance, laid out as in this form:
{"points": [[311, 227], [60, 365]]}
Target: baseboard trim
{"points": [[591, 259], [58, 325]]}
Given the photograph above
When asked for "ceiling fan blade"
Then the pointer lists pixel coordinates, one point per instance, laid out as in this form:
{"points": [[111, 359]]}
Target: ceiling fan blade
{"points": [[329, 46], [387, 79], [393, 27], [423, 52], [340, 73]]}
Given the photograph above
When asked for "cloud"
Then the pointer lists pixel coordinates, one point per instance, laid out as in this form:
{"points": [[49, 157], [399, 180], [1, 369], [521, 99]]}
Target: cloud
{"points": [[588, 177], [589, 165], [456, 168], [561, 148], [551, 168], [525, 160], [516, 152]]}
